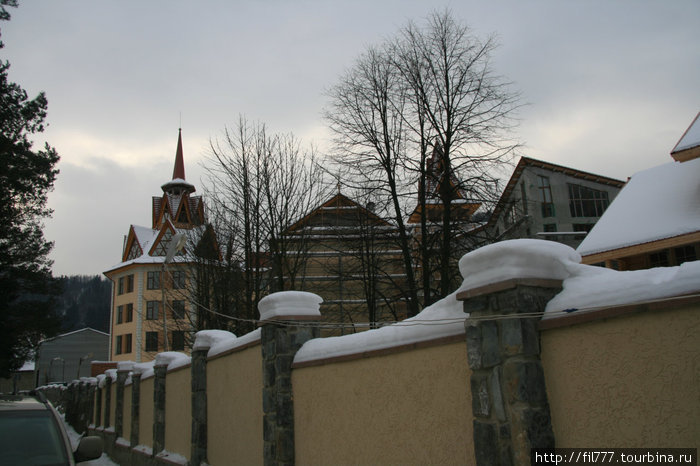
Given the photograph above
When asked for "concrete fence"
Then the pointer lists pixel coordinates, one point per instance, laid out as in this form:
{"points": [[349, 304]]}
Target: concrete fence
{"points": [[480, 378]]}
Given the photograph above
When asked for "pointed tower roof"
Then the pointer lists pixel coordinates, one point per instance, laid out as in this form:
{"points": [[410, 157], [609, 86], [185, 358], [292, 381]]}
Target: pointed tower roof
{"points": [[179, 169], [178, 185]]}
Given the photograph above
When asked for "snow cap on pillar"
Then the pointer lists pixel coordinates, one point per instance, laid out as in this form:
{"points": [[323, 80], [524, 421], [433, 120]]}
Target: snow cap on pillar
{"points": [[125, 366], [290, 305], [516, 260]]}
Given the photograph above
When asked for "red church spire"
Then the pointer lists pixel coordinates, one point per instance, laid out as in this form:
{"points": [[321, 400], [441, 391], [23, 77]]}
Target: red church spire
{"points": [[179, 169], [178, 185]]}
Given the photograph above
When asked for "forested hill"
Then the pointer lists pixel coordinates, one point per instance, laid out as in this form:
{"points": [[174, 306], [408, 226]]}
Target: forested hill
{"points": [[84, 302]]}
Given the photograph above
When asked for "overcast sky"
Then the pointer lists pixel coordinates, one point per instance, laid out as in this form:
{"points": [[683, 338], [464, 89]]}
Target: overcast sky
{"points": [[611, 86]]}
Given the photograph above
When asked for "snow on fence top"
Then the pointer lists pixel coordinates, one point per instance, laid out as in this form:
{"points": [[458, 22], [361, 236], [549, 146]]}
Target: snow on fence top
{"points": [[590, 287], [584, 286], [220, 341], [144, 368], [172, 359]]}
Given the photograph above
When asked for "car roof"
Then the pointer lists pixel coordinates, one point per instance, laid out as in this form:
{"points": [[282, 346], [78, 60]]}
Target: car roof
{"points": [[21, 403]]}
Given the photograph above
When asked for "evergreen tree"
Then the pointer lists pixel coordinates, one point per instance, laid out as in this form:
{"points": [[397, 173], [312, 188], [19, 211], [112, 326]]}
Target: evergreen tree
{"points": [[26, 177]]}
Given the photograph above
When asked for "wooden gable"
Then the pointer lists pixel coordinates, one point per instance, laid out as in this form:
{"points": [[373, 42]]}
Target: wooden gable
{"points": [[132, 248], [162, 241], [339, 211]]}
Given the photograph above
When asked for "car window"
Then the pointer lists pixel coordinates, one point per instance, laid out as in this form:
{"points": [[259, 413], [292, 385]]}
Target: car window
{"points": [[31, 438]]}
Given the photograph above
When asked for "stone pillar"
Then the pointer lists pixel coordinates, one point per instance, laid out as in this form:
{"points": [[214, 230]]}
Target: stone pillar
{"points": [[283, 333], [135, 408], [98, 404], [108, 400], [509, 397], [159, 408], [122, 373], [198, 448], [91, 402]]}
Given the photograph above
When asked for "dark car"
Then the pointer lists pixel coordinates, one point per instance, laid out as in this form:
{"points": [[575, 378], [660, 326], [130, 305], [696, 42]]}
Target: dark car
{"points": [[32, 433]]}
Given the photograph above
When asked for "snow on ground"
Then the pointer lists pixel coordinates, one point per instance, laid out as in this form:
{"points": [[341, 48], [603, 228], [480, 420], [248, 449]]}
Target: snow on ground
{"points": [[103, 460]]}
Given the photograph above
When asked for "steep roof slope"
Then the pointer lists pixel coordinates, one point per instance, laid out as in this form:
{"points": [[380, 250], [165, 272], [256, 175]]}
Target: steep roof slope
{"points": [[658, 203]]}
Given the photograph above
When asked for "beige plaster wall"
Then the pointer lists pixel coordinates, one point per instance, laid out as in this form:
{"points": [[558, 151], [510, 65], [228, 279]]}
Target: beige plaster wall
{"points": [[234, 402], [631, 381], [407, 408], [146, 412], [178, 411], [126, 425]]}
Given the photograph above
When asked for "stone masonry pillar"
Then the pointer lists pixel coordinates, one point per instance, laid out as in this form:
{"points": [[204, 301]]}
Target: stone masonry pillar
{"points": [[108, 400], [123, 369], [135, 407], [159, 407], [98, 404], [509, 397], [282, 315], [198, 448]]}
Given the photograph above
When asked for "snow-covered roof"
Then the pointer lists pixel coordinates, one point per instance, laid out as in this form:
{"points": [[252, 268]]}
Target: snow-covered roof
{"points": [[691, 137], [658, 203], [147, 236]]}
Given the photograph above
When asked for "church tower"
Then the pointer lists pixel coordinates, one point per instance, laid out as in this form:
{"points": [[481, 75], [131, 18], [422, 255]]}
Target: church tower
{"points": [[146, 285]]}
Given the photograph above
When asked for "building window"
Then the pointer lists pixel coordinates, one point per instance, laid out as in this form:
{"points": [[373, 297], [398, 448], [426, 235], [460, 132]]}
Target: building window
{"points": [[129, 312], [127, 343], [152, 310], [584, 227], [550, 227], [162, 248], [153, 281], [587, 202], [178, 309], [511, 215], [178, 280], [545, 196], [130, 283], [659, 259], [120, 286], [151, 341], [178, 341], [120, 314], [685, 254], [118, 345]]}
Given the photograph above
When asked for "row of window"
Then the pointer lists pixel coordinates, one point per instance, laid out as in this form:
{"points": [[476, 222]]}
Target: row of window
{"points": [[153, 309], [123, 343], [125, 312], [582, 227], [153, 281], [676, 256], [583, 201]]}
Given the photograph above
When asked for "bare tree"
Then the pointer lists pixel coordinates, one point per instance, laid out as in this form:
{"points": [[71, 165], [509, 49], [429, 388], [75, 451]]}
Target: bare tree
{"points": [[293, 185], [425, 116], [258, 185], [470, 112], [366, 117]]}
